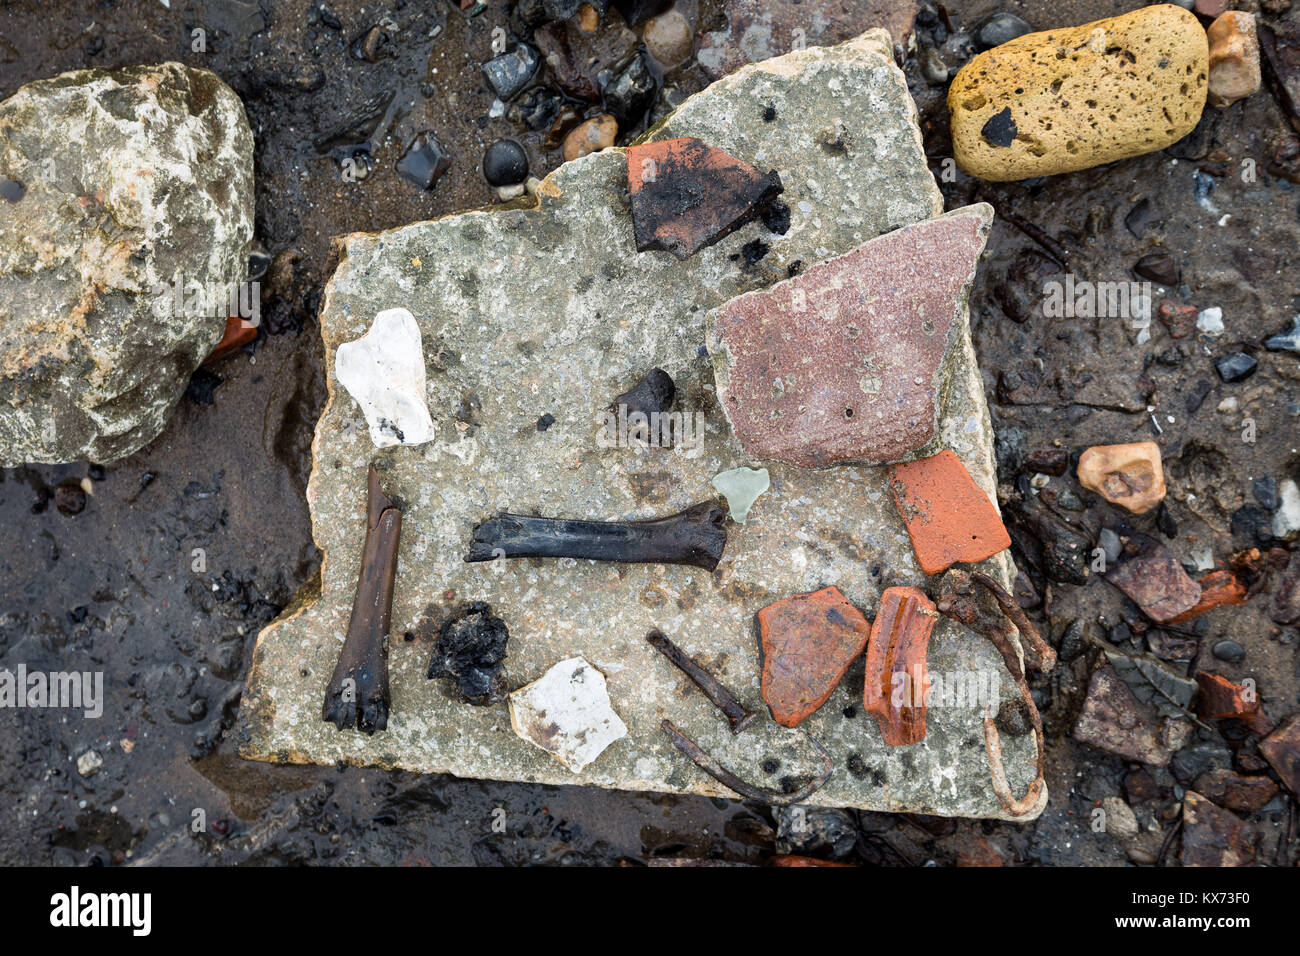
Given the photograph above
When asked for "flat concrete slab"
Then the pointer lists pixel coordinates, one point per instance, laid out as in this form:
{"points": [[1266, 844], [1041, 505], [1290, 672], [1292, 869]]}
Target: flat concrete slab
{"points": [[527, 312]]}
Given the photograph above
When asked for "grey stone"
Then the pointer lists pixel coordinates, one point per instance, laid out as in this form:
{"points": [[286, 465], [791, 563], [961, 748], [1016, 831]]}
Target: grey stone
{"points": [[136, 181], [550, 311]]}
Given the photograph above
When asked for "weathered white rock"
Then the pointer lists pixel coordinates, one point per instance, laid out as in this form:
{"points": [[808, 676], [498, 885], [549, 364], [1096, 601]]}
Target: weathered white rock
{"points": [[89, 763], [384, 371], [1286, 520], [567, 713], [133, 183]]}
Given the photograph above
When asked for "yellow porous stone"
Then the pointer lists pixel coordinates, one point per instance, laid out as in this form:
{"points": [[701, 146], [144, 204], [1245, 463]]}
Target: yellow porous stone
{"points": [[1062, 100]]}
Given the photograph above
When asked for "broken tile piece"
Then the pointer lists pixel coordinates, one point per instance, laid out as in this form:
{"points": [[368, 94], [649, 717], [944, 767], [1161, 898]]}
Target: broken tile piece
{"points": [[809, 641], [1217, 588], [1213, 836], [567, 713], [384, 371], [897, 681], [1129, 475], [741, 487], [1149, 574], [687, 195], [846, 361], [1217, 698], [1281, 748], [948, 517], [1115, 720]]}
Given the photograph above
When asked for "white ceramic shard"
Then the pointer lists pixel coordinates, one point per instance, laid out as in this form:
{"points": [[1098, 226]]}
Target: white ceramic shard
{"points": [[384, 371], [567, 713], [741, 487]]}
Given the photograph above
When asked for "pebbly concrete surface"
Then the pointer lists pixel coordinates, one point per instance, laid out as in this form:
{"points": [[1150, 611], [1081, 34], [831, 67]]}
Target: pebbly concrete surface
{"points": [[526, 312]]}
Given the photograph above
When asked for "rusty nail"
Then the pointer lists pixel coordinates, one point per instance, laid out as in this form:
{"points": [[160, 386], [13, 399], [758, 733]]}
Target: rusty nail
{"points": [[737, 715], [725, 777]]}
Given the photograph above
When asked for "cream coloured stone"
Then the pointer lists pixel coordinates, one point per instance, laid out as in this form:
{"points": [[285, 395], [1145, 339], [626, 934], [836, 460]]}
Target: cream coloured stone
{"points": [[1131, 475], [384, 371]]}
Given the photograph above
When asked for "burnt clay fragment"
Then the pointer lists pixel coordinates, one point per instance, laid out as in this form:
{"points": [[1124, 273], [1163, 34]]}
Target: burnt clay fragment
{"points": [[357, 694], [695, 537], [687, 195], [471, 650]]}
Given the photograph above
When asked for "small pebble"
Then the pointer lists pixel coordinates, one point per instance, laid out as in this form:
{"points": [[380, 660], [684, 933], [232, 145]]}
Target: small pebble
{"points": [[933, 68], [999, 29], [1286, 519], [590, 136], [88, 764], [669, 38], [70, 499], [1234, 58], [1229, 651], [1236, 367], [425, 161], [1210, 321], [505, 163]]}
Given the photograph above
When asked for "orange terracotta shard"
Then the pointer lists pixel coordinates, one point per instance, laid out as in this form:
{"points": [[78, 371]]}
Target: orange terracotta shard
{"points": [[1217, 587], [897, 681], [1218, 698], [687, 195], [809, 641], [948, 517], [239, 332]]}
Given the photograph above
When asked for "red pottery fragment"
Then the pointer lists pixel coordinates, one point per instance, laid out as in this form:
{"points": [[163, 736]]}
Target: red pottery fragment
{"points": [[1213, 836], [1217, 587], [238, 334], [1177, 318], [844, 362], [1149, 574], [687, 195], [1282, 749], [809, 641], [897, 681], [948, 517]]}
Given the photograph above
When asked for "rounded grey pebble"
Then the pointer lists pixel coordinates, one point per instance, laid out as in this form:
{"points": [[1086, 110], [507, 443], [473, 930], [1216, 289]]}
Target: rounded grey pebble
{"points": [[1229, 651]]}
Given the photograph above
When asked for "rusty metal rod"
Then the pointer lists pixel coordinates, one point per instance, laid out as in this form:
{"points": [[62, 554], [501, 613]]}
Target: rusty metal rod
{"points": [[737, 714]]}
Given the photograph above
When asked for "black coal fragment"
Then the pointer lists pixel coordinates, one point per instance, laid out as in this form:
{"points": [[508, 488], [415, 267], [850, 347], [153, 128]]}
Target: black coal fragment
{"points": [[11, 190], [630, 91], [1000, 130], [357, 694], [694, 537], [1159, 267], [471, 650], [425, 160], [637, 12], [1236, 367], [655, 393]]}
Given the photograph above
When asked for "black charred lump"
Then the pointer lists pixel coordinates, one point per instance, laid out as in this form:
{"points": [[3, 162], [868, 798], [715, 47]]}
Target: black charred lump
{"points": [[471, 650]]}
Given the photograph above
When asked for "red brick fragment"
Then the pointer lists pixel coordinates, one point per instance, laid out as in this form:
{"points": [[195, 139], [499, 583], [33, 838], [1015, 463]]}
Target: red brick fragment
{"points": [[897, 681], [1178, 319], [687, 195], [1217, 587], [238, 334], [1213, 836], [809, 641], [1282, 749], [844, 362], [948, 517]]}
